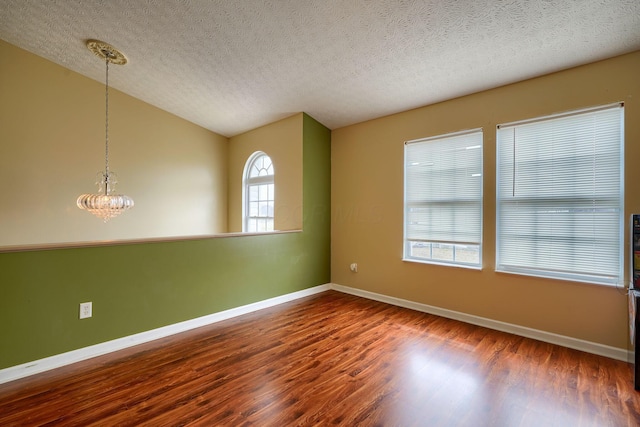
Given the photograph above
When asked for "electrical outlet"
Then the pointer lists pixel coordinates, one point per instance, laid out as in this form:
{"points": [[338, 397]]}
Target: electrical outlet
{"points": [[85, 310], [354, 267]]}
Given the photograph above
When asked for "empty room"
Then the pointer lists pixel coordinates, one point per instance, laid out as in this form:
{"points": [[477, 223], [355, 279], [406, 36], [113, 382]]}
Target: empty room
{"points": [[305, 212]]}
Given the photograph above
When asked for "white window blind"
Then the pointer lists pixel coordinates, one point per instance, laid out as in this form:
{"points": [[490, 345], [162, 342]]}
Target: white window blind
{"points": [[443, 199], [560, 196]]}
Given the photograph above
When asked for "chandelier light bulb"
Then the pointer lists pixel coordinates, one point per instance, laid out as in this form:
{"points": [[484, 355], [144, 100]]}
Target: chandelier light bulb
{"points": [[105, 204]]}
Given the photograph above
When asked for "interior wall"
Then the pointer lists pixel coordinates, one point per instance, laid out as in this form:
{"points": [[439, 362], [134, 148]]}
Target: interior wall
{"points": [[53, 144], [137, 287], [282, 141], [367, 206]]}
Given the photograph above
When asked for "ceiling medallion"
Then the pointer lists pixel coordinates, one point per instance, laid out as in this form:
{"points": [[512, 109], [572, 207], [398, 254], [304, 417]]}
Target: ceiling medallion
{"points": [[107, 52]]}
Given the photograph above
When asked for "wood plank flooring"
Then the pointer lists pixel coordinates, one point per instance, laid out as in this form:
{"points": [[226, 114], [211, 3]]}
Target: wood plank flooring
{"points": [[331, 359]]}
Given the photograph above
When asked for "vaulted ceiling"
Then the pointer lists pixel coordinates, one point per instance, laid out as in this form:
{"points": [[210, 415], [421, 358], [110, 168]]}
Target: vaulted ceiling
{"points": [[233, 65]]}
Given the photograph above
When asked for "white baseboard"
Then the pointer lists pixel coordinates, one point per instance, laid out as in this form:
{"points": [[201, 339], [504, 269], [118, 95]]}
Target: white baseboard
{"points": [[575, 343], [59, 360], [63, 359]]}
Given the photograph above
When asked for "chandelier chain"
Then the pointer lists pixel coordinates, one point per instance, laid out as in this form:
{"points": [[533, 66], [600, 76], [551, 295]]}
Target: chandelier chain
{"points": [[106, 126]]}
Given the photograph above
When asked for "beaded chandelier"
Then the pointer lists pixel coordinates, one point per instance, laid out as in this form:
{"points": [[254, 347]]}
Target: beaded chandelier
{"points": [[105, 204]]}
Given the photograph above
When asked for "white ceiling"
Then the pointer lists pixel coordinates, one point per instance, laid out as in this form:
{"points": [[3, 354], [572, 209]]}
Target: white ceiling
{"points": [[233, 65]]}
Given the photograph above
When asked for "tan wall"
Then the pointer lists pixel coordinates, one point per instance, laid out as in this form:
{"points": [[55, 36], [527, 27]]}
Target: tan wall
{"points": [[367, 206], [282, 141], [52, 146]]}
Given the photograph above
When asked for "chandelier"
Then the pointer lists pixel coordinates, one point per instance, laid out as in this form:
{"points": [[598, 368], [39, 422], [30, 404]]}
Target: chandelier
{"points": [[105, 204]]}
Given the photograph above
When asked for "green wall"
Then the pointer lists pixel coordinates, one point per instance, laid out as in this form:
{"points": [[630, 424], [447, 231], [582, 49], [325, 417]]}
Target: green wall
{"points": [[138, 287]]}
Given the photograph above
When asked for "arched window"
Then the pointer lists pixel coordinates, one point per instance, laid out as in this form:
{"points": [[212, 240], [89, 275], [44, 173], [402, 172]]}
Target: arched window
{"points": [[258, 197]]}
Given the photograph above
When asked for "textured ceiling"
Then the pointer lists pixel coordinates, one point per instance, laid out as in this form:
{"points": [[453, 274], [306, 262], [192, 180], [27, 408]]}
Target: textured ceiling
{"points": [[233, 65]]}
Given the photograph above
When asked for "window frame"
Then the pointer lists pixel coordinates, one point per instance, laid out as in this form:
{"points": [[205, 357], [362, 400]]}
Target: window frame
{"points": [[452, 245], [247, 182], [553, 272]]}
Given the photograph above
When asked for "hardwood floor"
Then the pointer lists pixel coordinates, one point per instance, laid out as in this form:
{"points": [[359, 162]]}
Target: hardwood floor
{"points": [[332, 359]]}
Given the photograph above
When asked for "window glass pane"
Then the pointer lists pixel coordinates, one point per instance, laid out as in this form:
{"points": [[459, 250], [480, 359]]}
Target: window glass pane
{"points": [[467, 254], [254, 171], [442, 252], [420, 250], [253, 192], [261, 166], [447, 253], [262, 209], [264, 192], [264, 224], [253, 209]]}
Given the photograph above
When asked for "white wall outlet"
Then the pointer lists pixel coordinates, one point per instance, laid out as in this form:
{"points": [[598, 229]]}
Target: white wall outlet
{"points": [[85, 310], [354, 267]]}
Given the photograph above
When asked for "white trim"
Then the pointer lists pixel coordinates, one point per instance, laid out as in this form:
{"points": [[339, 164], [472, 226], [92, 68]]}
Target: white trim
{"points": [[30, 368], [73, 245], [446, 135], [63, 359], [565, 341], [563, 114]]}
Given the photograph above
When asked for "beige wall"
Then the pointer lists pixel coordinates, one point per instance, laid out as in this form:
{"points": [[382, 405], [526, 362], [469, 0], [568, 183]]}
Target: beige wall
{"points": [[282, 141], [367, 206], [52, 146]]}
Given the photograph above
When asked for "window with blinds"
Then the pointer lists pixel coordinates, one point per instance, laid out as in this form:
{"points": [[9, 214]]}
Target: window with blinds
{"points": [[443, 199], [560, 196]]}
